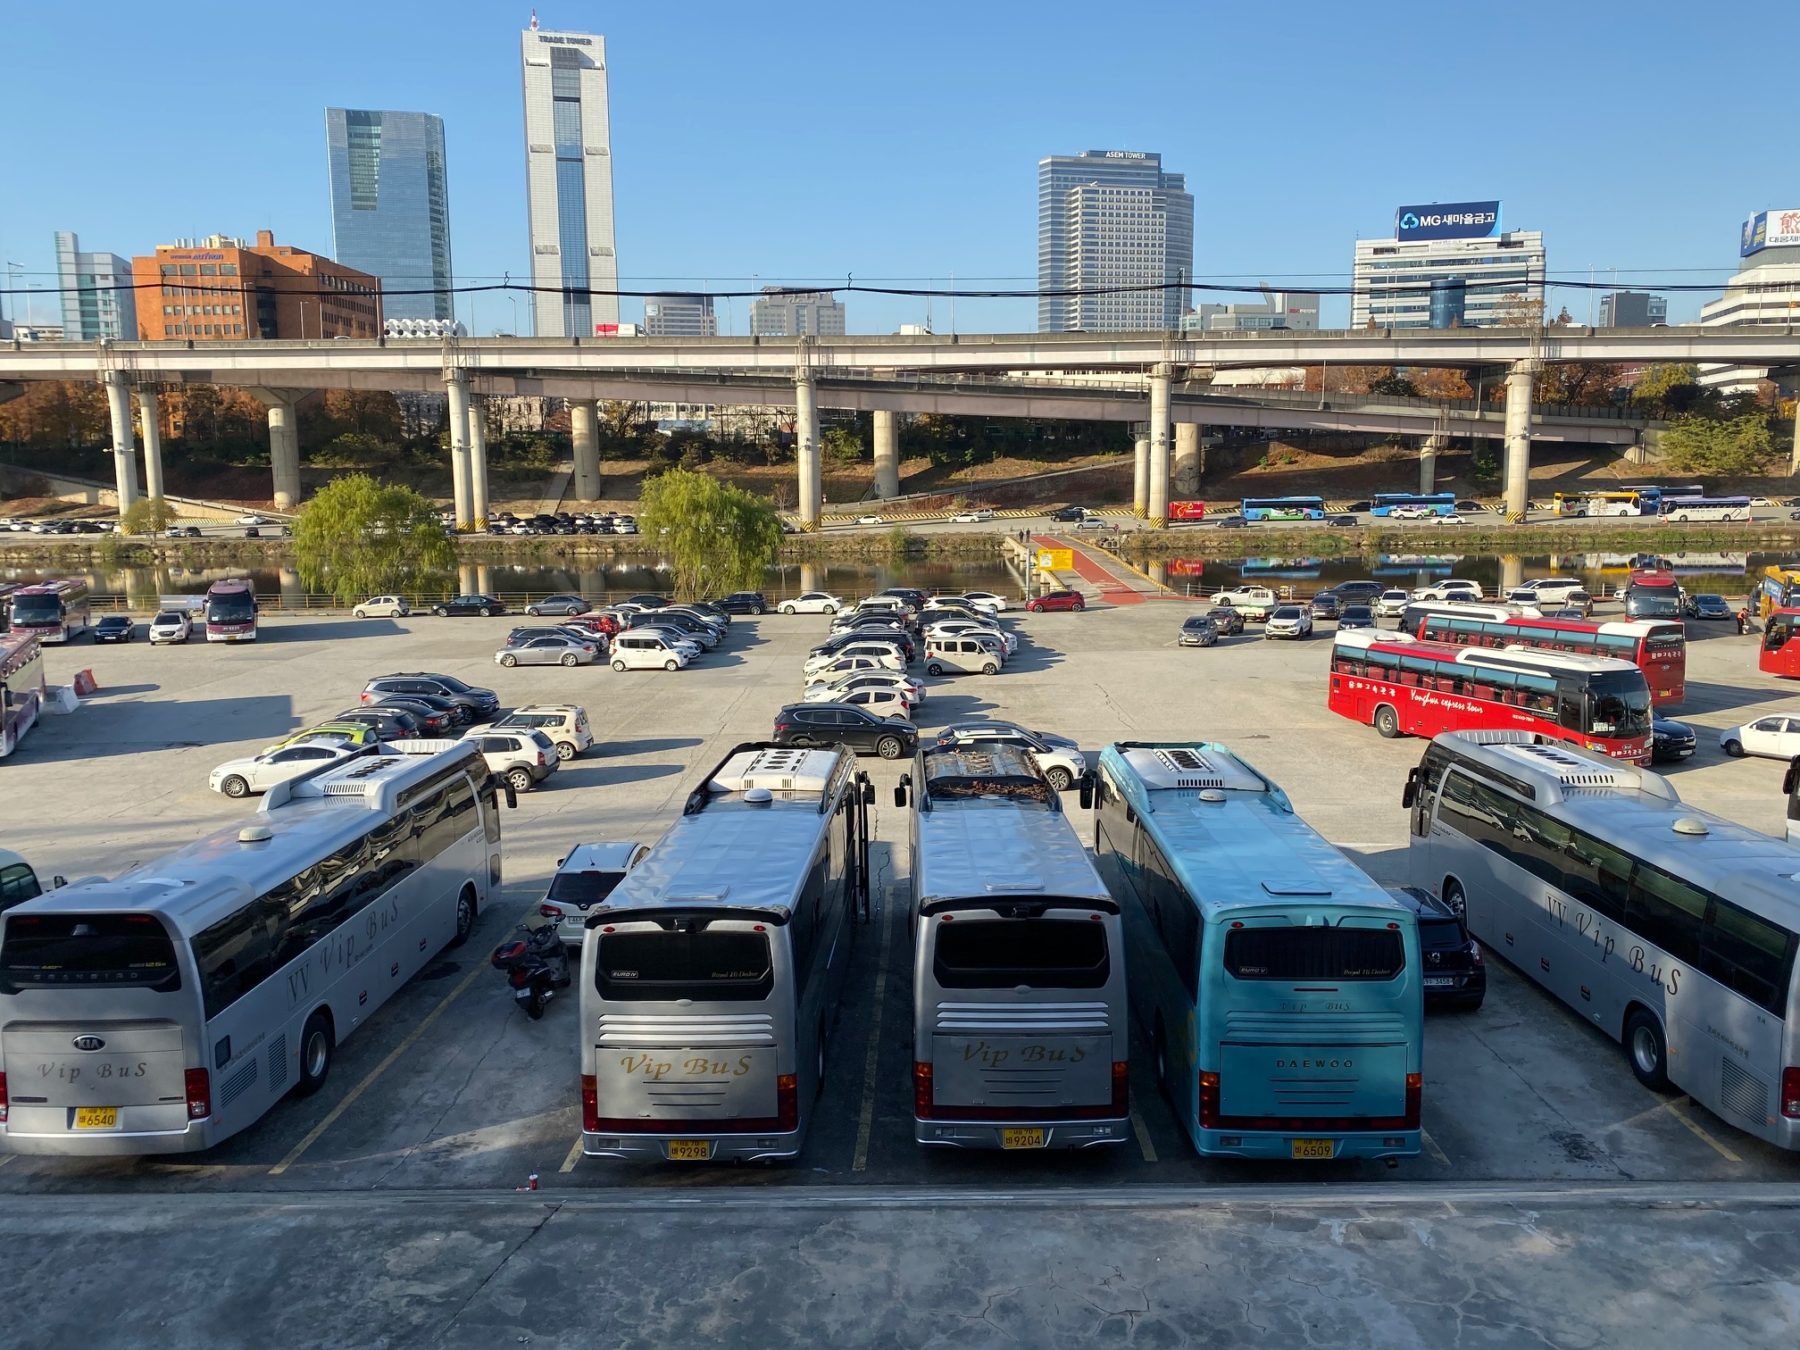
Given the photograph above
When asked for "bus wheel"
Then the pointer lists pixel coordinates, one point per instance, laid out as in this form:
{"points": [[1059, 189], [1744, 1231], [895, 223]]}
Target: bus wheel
{"points": [[1647, 1050], [465, 917], [315, 1054], [1453, 897], [1387, 722]]}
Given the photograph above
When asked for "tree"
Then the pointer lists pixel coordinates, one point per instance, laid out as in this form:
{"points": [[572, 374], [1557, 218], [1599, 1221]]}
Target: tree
{"points": [[1518, 311], [1669, 390], [1395, 385], [147, 515], [1593, 384], [718, 537], [842, 445], [1441, 382], [358, 537], [1723, 449]]}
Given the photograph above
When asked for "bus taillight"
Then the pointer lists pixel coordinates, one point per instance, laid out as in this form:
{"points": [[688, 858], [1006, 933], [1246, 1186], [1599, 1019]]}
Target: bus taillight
{"points": [[590, 1104], [787, 1103], [1790, 1093], [1209, 1100], [199, 1094], [922, 1089], [1415, 1097], [1121, 1080], [3, 1100]]}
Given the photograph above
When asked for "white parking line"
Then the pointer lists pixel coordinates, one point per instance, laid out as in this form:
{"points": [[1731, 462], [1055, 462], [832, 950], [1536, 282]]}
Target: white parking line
{"points": [[865, 1125], [1431, 1146]]}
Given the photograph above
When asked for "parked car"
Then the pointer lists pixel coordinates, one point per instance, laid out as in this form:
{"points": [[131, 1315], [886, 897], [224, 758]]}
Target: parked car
{"points": [[1060, 758], [524, 758], [1391, 604], [651, 650], [584, 879], [389, 723], [1092, 523], [1356, 592], [1056, 600], [437, 720], [1253, 602], [1290, 621], [1228, 619], [1231, 523], [971, 517], [812, 602], [1544, 590], [259, 773], [1069, 513], [1775, 737], [1454, 974], [1573, 605], [382, 607], [991, 600], [1324, 605], [343, 733], [460, 605], [841, 724], [1455, 588], [645, 600], [867, 679], [1344, 522], [115, 628], [744, 602], [566, 724], [171, 625], [549, 649], [558, 604], [683, 626], [477, 703], [1670, 740], [1708, 606], [967, 655], [1352, 617]]}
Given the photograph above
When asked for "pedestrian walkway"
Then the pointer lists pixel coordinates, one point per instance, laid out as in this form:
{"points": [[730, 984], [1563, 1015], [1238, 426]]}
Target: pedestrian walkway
{"points": [[1112, 581]]}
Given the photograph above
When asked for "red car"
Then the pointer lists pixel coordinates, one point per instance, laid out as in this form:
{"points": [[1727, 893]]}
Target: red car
{"points": [[1056, 600], [605, 624]]}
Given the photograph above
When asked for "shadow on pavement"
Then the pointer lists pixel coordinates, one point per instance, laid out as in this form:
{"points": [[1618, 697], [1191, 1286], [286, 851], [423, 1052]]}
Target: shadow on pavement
{"points": [[329, 628], [651, 746], [98, 730], [578, 775]]}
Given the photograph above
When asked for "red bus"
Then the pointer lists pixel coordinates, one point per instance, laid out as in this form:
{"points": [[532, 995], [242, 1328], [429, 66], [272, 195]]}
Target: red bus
{"points": [[1780, 654], [1656, 647], [52, 611], [21, 688], [1402, 686], [1187, 510], [231, 611]]}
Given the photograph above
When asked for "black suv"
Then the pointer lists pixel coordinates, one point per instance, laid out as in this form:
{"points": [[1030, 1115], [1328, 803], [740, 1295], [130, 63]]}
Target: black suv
{"points": [[483, 605], [845, 724], [1453, 973], [1068, 513], [744, 602], [1355, 592], [480, 705], [898, 637]]}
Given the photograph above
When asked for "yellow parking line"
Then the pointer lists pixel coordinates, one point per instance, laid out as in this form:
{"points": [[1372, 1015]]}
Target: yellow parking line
{"points": [[865, 1125], [331, 1117], [1694, 1125], [573, 1158], [1142, 1132]]}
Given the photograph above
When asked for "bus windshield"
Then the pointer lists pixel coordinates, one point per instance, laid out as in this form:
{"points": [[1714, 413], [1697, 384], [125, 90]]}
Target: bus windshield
{"points": [[238, 608], [707, 966], [36, 609], [1619, 705], [1007, 953], [1652, 602], [1287, 953]]}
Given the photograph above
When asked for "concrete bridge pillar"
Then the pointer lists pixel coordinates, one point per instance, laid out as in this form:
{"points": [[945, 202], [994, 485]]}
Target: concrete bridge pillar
{"points": [[456, 385], [1186, 477], [150, 413], [1433, 446], [806, 431], [118, 399], [484, 579], [1140, 479], [887, 454], [478, 461], [584, 434], [1519, 381], [284, 444], [1157, 507]]}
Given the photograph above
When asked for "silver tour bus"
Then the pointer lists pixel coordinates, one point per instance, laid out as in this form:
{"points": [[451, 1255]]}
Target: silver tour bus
{"points": [[711, 975], [167, 1009], [1668, 928], [1020, 1023]]}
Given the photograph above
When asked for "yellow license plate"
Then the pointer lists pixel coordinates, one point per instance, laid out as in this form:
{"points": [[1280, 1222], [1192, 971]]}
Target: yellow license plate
{"points": [[1021, 1139], [96, 1117], [1310, 1148], [690, 1150]]}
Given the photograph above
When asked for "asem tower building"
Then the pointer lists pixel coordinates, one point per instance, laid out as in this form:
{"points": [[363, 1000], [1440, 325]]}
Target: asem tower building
{"points": [[1119, 232]]}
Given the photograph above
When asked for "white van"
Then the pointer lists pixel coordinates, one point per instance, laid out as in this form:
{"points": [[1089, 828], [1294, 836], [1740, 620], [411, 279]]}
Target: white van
{"points": [[632, 650], [961, 656]]}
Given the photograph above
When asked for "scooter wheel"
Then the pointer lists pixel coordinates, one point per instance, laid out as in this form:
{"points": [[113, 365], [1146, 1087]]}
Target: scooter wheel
{"points": [[535, 1006]]}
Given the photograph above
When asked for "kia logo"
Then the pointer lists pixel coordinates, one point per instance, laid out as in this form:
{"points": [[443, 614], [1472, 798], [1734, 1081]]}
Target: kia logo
{"points": [[89, 1043]]}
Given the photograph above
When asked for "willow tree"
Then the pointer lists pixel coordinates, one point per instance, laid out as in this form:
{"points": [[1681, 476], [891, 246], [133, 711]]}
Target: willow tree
{"points": [[718, 537], [359, 538]]}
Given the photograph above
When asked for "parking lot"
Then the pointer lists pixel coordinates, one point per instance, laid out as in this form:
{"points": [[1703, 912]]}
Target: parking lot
{"points": [[451, 1087]]}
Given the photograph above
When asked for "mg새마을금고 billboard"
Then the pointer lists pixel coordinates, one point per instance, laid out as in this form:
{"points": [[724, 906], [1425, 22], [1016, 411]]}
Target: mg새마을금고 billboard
{"points": [[1447, 220]]}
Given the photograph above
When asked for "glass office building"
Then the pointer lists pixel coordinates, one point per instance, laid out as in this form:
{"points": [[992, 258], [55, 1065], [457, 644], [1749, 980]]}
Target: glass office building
{"points": [[390, 206], [1108, 221], [97, 298], [568, 183]]}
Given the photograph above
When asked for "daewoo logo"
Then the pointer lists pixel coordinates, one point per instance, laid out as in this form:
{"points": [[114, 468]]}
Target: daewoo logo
{"points": [[89, 1043], [1315, 1063]]}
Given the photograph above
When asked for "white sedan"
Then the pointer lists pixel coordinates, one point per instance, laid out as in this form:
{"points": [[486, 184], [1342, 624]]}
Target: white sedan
{"points": [[1451, 519], [254, 519], [972, 517], [1409, 512], [850, 665], [813, 602], [1776, 736], [988, 600], [880, 702], [259, 773], [869, 520], [913, 691]]}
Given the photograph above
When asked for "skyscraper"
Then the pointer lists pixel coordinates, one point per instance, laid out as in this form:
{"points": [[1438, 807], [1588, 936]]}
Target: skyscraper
{"points": [[1108, 219], [680, 316], [1633, 309], [97, 299], [779, 313], [390, 205], [568, 182]]}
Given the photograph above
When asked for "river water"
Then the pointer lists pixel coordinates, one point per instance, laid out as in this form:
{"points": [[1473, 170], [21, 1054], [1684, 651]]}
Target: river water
{"points": [[1726, 573]]}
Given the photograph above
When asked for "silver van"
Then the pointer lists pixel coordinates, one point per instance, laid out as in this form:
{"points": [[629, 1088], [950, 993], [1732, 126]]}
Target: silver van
{"points": [[963, 655]]}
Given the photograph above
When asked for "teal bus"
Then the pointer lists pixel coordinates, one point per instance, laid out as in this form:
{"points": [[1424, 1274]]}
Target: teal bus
{"points": [[1415, 504], [1280, 987], [1282, 508]]}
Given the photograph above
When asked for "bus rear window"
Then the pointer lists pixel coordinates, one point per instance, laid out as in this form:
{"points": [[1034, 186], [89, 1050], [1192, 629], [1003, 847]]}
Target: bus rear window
{"points": [[708, 966], [1314, 953], [86, 951], [1006, 953]]}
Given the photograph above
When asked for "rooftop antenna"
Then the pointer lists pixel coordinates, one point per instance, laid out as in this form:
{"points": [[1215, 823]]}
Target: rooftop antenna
{"points": [[534, 23]]}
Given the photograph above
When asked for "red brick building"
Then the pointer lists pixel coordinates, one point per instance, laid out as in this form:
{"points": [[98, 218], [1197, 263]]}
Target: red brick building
{"points": [[220, 289]]}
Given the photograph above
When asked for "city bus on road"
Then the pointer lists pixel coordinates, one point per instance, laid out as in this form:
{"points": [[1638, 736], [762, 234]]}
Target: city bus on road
{"points": [[710, 977], [1402, 686], [1780, 654], [21, 688], [1681, 510], [1279, 986], [231, 611], [1615, 503], [1650, 495], [1668, 928], [1021, 1032], [1413, 504], [1656, 647], [1282, 508], [169, 1008], [52, 611]]}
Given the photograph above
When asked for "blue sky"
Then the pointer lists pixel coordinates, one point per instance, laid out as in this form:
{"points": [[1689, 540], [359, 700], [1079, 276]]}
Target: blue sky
{"points": [[806, 141]]}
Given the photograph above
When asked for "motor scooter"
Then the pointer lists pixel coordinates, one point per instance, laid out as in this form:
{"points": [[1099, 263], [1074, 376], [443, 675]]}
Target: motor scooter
{"points": [[536, 966]]}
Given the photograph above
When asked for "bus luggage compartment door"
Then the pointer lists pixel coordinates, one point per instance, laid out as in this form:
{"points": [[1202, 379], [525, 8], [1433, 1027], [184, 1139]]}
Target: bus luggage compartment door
{"points": [[712, 1069], [1311, 1079], [95, 1078], [1033, 1072]]}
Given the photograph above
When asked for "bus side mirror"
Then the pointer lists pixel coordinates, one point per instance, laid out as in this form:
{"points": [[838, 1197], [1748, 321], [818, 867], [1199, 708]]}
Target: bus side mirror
{"points": [[1087, 792], [57, 883], [900, 789], [868, 792], [1410, 793]]}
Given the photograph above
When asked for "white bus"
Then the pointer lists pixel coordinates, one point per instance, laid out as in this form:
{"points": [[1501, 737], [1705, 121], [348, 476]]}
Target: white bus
{"points": [[169, 1008], [711, 975], [1021, 1031], [1670, 929], [1683, 509]]}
